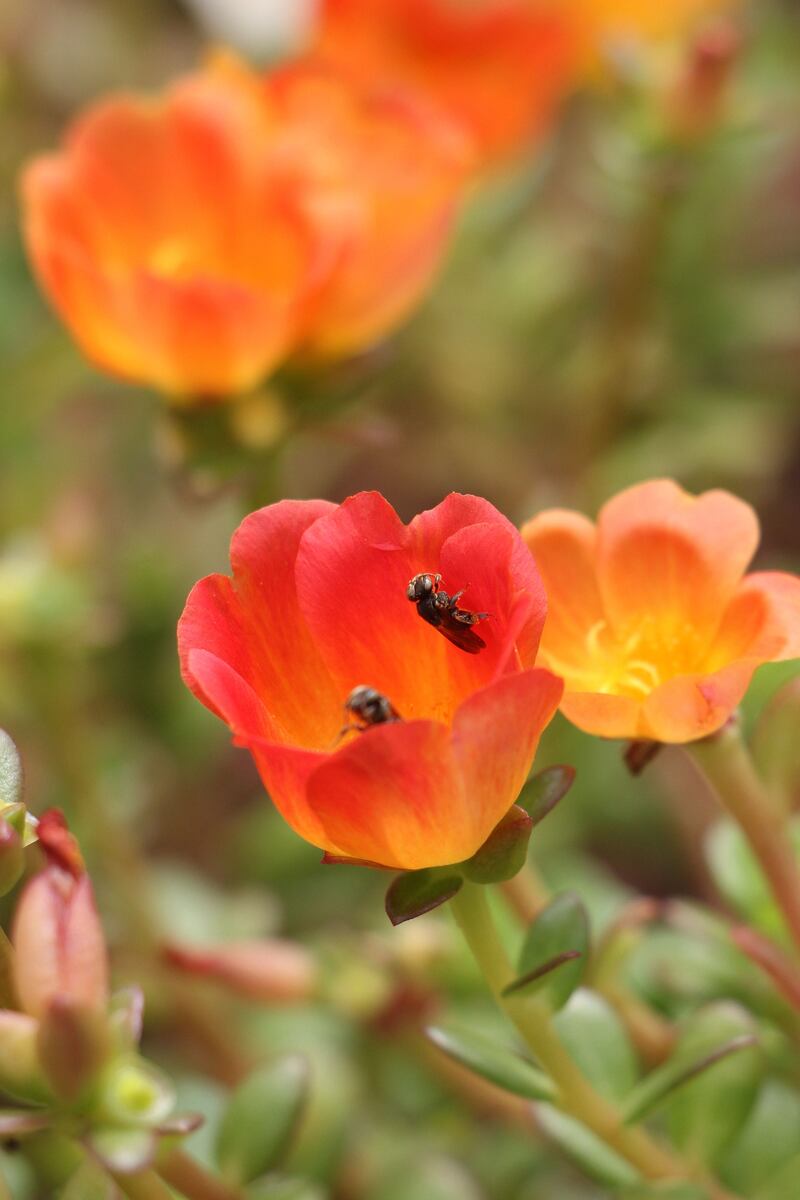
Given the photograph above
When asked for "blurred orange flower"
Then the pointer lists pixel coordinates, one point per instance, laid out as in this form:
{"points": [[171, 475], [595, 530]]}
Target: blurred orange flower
{"points": [[193, 241], [382, 171], [499, 66], [652, 623]]}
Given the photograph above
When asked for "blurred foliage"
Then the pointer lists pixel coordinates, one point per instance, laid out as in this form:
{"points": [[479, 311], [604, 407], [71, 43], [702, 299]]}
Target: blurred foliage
{"points": [[616, 309]]}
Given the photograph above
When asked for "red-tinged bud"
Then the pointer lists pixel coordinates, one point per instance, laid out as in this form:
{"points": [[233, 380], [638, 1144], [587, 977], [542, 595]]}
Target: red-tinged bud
{"points": [[270, 971], [12, 857], [697, 103], [60, 949], [58, 844], [20, 1072], [73, 1045]]}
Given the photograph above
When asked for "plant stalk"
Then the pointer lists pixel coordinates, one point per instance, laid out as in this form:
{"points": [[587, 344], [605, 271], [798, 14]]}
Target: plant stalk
{"points": [[533, 1019], [725, 761], [194, 1181]]}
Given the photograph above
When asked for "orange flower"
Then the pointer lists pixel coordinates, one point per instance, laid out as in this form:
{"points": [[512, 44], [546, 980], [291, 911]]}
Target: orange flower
{"points": [[653, 624], [381, 171], [193, 241], [499, 66], [317, 606]]}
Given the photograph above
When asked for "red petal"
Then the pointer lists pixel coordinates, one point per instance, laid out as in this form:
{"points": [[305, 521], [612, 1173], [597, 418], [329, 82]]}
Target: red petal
{"points": [[495, 735], [353, 569], [392, 796], [255, 627]]}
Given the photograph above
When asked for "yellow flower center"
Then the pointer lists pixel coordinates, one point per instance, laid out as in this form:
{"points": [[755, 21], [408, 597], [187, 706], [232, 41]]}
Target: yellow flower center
{"points": [[635, 660]]}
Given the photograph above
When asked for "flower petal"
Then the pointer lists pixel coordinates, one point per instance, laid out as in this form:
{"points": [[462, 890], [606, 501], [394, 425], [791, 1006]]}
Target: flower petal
{"points": [[495, 735], [392, 796], [353, 569], [693, 706], [563, 544], [255, 626], [779, 594], [507, 569], [604, 714], [670, 557]]}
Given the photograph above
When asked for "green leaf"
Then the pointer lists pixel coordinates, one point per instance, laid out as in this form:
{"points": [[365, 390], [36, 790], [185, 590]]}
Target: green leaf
{"points": [[261, 1119], [416, 892], [504, 852], [710, 1111], [545, 790], [501, 1065], [11, 775], [535, 979], [599, 1043], [677, 1073], [768, 1140], [783, 1184], [591, 1154], [560, 927]]}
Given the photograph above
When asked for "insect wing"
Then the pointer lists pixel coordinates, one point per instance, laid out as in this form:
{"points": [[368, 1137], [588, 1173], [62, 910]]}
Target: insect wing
{"points": [[463, 636]]}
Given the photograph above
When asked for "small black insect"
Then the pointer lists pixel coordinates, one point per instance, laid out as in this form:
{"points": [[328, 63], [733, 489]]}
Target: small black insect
{"points": [[441, 610], [367, 707]]}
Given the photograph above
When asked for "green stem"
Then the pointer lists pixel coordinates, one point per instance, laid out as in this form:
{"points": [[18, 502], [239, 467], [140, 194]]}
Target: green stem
{"points": [[146, 1185], [726, 763], [194, 1181], [534, 1021]]}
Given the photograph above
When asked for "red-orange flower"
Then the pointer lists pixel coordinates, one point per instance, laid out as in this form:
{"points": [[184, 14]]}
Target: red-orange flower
{"points": [[653, 624], [317, 605], [499, 66], [194, 240]]}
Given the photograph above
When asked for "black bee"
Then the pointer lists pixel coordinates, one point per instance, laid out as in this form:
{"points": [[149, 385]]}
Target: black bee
{"points": [[368, 707], [441, 610]]}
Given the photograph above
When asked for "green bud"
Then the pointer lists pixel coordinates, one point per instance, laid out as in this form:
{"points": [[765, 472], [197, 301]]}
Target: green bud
{"points": [[21, 1075], [133, 1092], [11, 777]]}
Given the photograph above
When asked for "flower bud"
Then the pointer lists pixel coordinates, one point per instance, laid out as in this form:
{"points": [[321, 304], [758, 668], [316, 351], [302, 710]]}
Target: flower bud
{"points": [[696, 105], [73, 1045], [20, 1072], [10, 771], [271, 970], [134, 1092], [60, 949]]}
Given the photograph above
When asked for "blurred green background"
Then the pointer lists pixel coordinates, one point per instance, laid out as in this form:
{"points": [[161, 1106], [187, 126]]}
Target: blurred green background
{"points": [[612, 309]]}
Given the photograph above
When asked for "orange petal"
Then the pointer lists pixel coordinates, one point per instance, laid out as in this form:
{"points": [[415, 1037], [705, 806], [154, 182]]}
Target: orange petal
{"points": [[393, 796], [495, 735], [604, 715], [780, 593], [563, 544], [693, 706], [672, 558]]}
